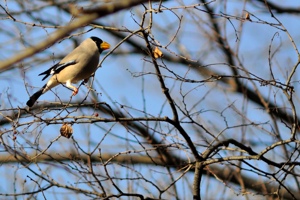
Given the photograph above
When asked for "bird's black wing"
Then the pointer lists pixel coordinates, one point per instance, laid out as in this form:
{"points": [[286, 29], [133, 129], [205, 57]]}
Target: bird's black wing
{"points": [[56, 68]]}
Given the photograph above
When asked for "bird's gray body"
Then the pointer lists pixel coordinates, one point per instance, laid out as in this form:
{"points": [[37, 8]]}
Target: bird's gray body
{"points": [[87, 54], [78, 65]]}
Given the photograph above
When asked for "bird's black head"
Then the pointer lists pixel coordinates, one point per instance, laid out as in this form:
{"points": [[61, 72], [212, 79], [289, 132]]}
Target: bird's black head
{"points": [[100, 44]]}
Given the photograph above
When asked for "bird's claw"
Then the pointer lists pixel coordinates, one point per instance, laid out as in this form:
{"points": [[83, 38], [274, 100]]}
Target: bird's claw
{"points": [[75, 91]]}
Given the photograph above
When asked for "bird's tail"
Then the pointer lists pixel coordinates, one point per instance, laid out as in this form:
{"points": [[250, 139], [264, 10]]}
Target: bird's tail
{"points": [[35, 96]]}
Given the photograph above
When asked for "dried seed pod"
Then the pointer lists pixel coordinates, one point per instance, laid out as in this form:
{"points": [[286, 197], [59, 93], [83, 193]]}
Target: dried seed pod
{"points": [[247, 16], [66, 130], [157, 53]]}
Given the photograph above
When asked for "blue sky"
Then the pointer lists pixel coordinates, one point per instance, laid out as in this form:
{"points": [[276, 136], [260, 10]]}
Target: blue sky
{"points": [[116, 83]]}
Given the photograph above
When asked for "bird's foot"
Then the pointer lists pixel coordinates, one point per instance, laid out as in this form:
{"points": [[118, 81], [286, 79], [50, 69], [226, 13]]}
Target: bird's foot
{"points": [[75, 91]]}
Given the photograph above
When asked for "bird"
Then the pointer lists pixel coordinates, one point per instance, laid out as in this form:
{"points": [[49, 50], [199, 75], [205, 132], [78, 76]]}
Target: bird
{"points": [[78, 65]]}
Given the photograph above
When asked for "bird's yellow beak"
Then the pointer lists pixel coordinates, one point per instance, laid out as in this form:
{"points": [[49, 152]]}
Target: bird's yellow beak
{"points": [[104, 45]]}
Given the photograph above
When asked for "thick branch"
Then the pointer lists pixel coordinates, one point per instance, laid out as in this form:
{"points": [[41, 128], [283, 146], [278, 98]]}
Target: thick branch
{"points": [[62, 32], [213, 171]]}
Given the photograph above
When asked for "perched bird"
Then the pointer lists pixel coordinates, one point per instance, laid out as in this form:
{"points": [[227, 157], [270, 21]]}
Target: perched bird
{"points": [[80, 64]]}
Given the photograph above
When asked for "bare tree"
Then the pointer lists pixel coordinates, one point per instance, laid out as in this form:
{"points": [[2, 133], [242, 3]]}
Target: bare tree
{"points": [[194, 100]]}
